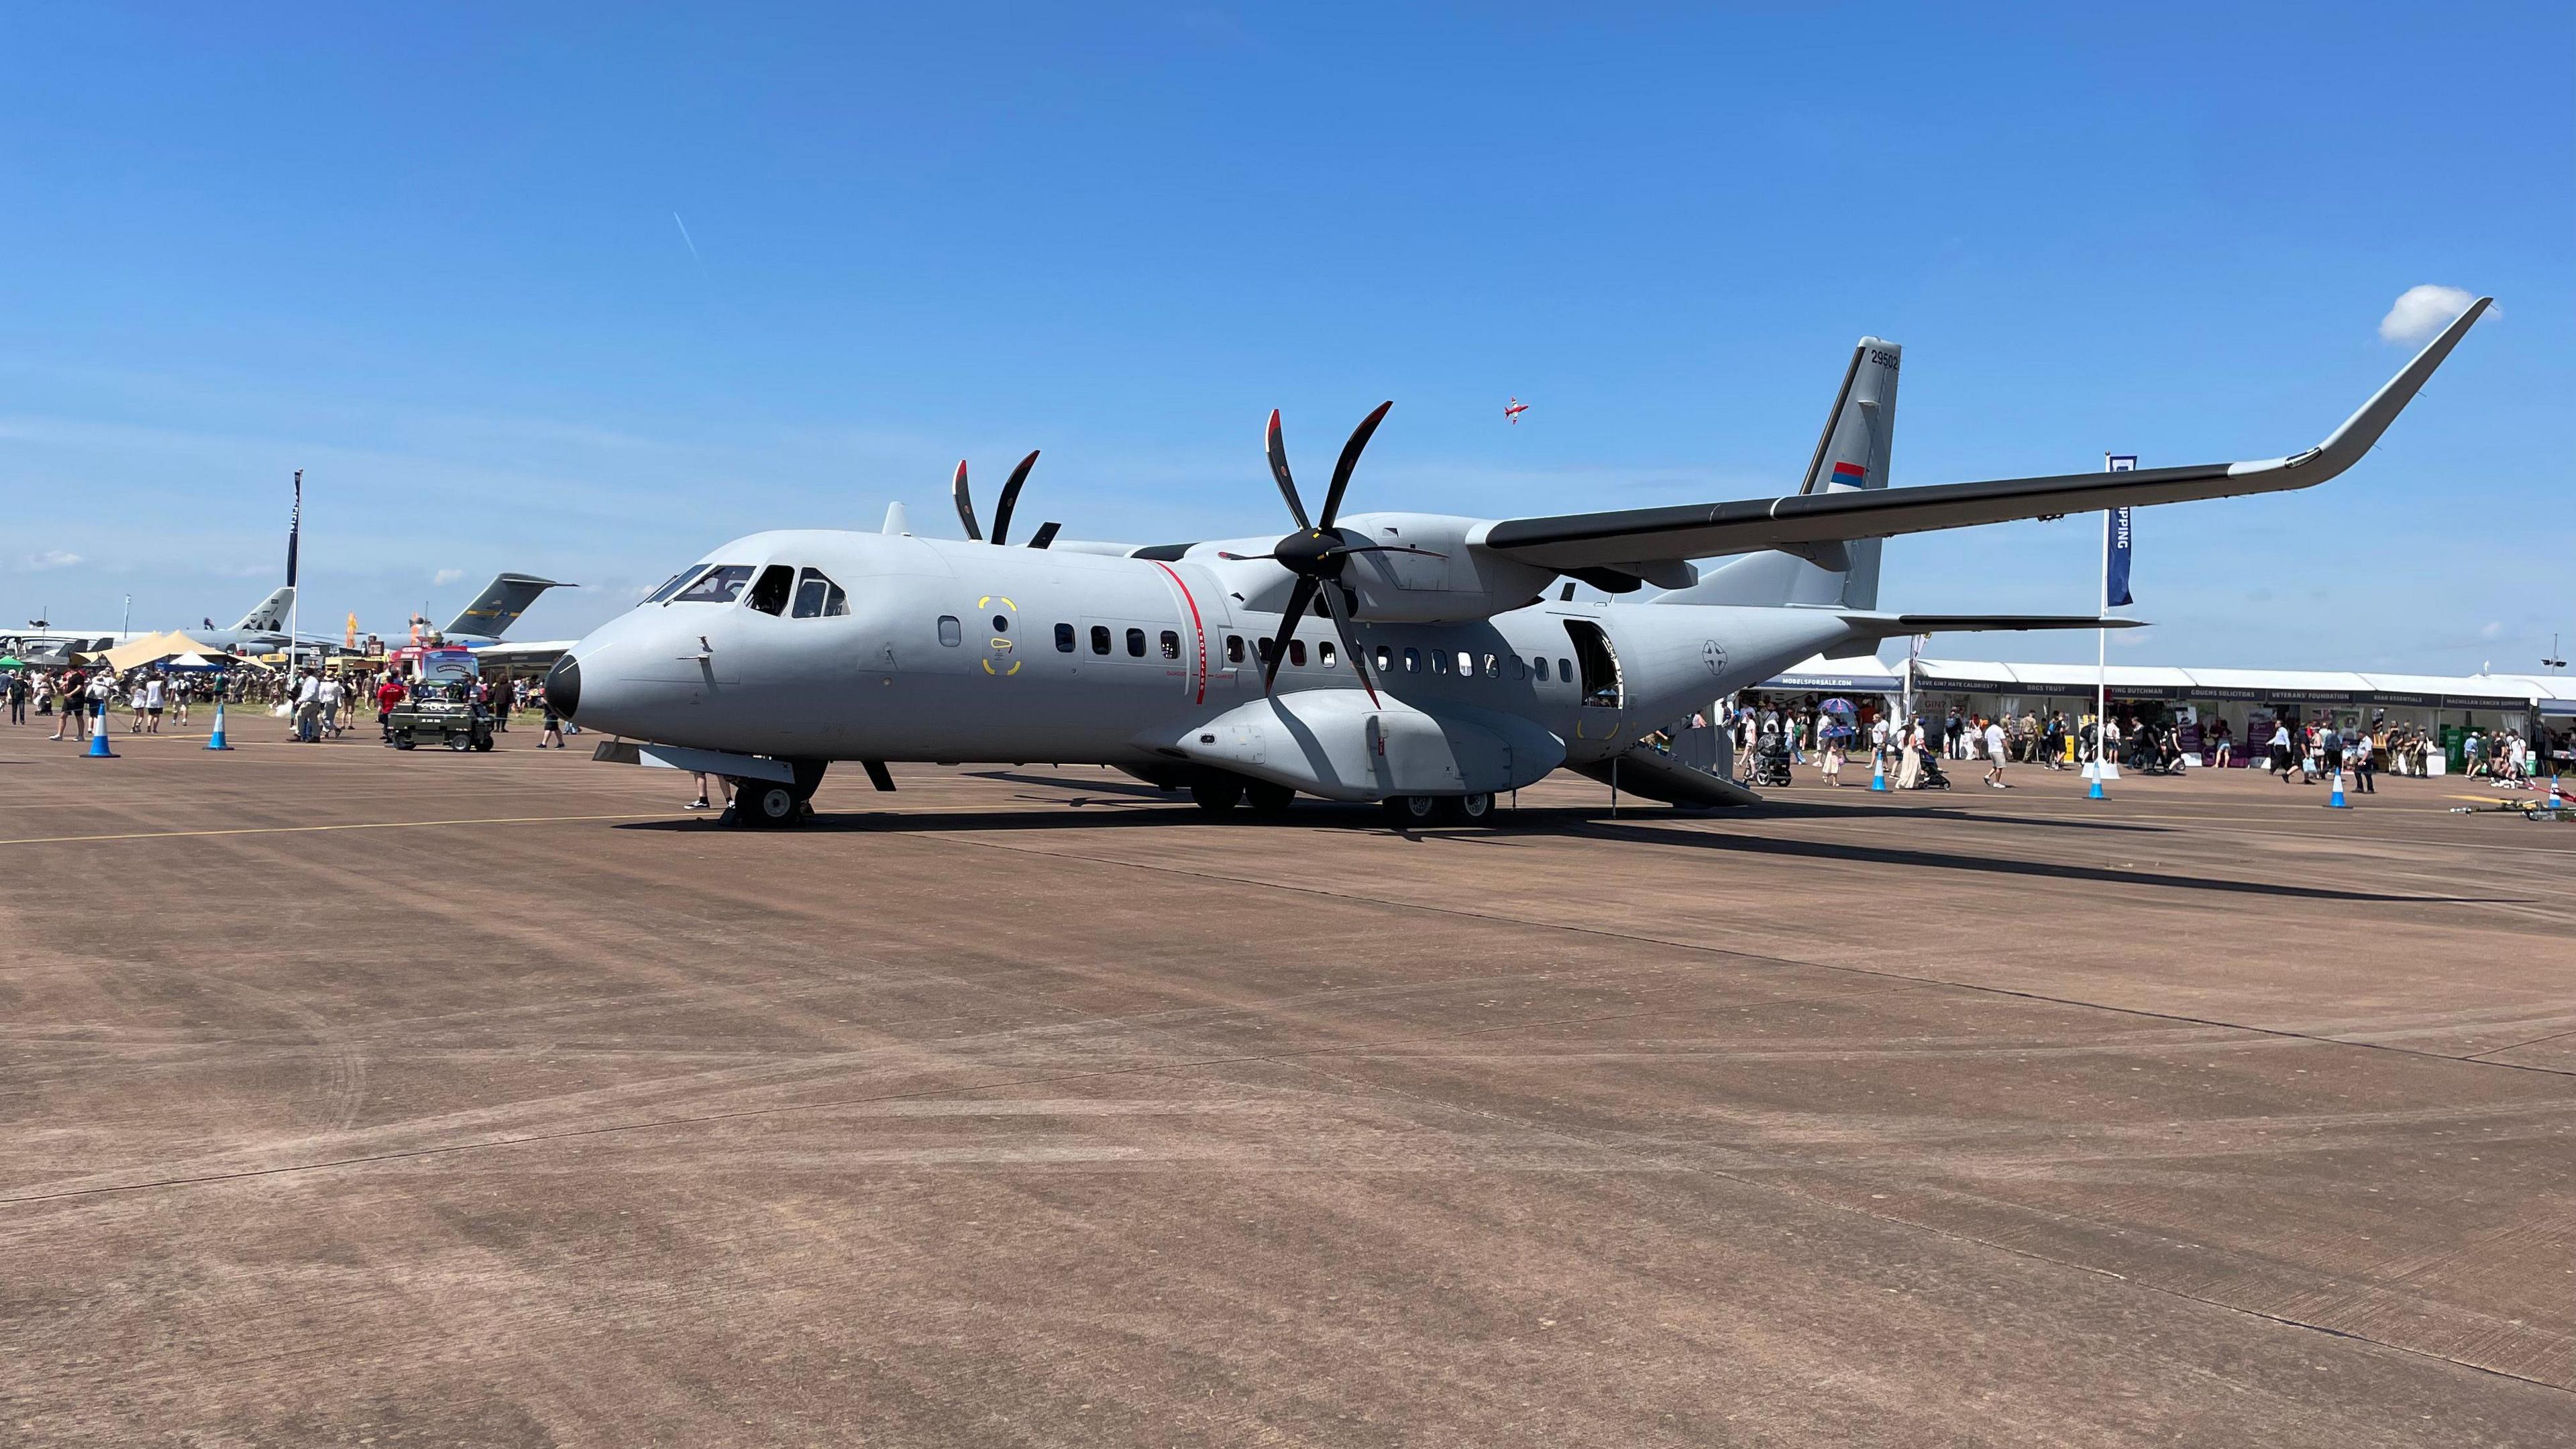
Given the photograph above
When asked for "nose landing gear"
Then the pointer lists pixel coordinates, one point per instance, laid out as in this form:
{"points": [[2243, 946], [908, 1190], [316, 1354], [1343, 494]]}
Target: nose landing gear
{"points": [[776, 804]]}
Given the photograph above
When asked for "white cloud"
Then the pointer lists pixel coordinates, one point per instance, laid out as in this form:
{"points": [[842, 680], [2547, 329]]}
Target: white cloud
{"points": [[2492, 631], [445, 577], [52, 558], [2422, 311]]}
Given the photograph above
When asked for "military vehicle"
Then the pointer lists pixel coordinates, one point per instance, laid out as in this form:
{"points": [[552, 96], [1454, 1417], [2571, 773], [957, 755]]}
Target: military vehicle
{"points": [[441, 707]]}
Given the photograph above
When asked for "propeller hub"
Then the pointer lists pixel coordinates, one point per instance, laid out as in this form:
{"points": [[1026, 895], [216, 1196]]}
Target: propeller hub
{"points": [[1315, 553]]}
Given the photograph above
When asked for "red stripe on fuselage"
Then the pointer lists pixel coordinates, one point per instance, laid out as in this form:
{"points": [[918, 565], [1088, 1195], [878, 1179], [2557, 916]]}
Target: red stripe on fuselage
{"points": [[1196, 627]]}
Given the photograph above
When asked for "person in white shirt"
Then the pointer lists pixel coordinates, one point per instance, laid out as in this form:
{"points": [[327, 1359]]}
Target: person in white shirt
{"points": [[154, 701], [1995, 754], [326, 695]]}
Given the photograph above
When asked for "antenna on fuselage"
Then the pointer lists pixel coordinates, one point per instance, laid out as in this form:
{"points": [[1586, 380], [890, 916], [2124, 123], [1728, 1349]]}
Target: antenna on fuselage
{"points": [[897, 521]]}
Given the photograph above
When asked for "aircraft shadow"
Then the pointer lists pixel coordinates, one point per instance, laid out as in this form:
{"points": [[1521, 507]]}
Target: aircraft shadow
{"points": [[1840, 852]]}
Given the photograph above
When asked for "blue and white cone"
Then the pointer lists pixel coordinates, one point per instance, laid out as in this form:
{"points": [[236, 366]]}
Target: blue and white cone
{"points": [[215, 741], [98, 749], [2096, 792], [2335, 801], [1878, 771]]}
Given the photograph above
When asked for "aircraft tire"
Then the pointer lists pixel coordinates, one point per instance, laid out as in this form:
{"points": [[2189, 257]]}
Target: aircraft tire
{"points": [[1412, 812], [1217, 796], [1467, 809], [766, 805], [1268, 800]]}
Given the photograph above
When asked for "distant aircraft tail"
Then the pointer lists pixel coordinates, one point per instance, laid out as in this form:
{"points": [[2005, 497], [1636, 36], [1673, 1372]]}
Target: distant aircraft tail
{"points": [[499, 605], [1852, 454], [270, 616]]}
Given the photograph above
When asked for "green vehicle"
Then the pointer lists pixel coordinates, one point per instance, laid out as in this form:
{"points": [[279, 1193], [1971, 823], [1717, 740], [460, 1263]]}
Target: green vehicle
{"points": [[441, 708]]}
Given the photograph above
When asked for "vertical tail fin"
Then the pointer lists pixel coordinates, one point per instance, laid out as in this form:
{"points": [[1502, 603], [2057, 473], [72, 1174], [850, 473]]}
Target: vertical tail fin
{"points": [[269, 615], [1853, 452], [499, 605]]}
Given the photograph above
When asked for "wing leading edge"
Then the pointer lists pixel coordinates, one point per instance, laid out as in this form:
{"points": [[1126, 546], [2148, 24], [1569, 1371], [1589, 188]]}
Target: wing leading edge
{"points": [[1706, 530]]}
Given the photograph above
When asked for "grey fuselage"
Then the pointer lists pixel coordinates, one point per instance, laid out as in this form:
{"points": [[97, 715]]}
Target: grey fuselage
{"points": [[884, 682]]}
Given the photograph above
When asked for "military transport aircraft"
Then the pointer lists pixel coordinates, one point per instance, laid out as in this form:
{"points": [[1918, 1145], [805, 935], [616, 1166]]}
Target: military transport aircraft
{"points": [[1406, 658], [262, 629]]}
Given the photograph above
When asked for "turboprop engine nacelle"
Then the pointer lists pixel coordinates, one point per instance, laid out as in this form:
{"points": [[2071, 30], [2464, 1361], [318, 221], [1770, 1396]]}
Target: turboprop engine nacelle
{"points": [[1439, 576]]}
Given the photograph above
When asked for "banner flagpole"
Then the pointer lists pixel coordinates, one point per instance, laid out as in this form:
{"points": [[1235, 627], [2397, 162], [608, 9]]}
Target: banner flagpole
{"points": [[294, 600], [2115, 593]]}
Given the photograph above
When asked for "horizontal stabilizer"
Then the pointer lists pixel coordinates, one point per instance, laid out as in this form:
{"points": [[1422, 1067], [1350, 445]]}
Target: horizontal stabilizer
{"points": [[1705, 530]]}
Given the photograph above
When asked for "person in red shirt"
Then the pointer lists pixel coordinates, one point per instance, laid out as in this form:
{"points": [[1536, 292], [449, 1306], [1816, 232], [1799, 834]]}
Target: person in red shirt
{"points": [[389, 696]]}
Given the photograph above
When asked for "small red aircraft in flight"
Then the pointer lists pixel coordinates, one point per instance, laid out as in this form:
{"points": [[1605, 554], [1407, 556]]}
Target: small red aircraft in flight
{"points": [[1512, 411]]}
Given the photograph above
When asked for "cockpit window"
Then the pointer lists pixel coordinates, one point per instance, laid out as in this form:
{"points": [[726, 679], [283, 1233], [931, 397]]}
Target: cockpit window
{"points": [[719, 585], [819, 598], [672, 584], [769, 595]]}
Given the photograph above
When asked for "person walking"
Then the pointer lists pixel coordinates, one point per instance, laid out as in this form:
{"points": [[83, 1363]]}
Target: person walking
{"points": [[156, 698], [18, 696], [2283, 748], [102, 690], [2364, 757], [389, 697], [1995, 755], [553, 732]]}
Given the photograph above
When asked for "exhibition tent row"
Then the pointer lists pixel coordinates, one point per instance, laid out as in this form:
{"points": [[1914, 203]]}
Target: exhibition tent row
{"points": [[2429, 702]]}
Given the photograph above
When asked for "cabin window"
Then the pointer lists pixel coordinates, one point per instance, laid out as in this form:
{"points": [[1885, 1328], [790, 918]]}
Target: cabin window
{"points": [[719, 585], [1413, 661], [1324, 654], [1171, 643], [1440, 661], [1565, 670], [1099, 638], [819, 598], [1538, 666], [672, 584], [1267, 648], [1519, 670], [1135, 643], [1064, 638], [1466, 665], [1385, 659], [950, 631], [1234, 649], [1297, 652]]}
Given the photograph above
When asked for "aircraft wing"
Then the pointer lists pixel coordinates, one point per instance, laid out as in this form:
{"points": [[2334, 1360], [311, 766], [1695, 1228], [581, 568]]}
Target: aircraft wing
{"points": [[1805, 521]]}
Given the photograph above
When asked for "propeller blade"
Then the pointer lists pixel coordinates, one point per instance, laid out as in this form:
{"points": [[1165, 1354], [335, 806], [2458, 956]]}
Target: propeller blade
{"points": [[1350, 459], [1300, 599], [1384, 548], [1278, 454], [965, 503], [1244, 557], [1350, 641], [1011, 497], [1045, 534]]}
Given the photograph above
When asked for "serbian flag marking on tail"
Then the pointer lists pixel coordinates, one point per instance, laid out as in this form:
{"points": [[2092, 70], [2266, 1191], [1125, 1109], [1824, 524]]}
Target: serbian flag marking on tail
{"points": [[1851, 473]]}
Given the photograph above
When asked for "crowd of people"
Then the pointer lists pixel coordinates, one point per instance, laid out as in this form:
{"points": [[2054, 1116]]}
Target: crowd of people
{"points": [[1769, 738], [317, 704]]}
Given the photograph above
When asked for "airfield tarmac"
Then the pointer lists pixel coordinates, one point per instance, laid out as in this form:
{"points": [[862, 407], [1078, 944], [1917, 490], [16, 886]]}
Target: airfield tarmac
{"points": [[356, 1097]]}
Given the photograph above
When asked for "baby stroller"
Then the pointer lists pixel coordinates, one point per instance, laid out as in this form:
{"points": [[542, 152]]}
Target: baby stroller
{"points": [[1928, 775], [1771, 760]]}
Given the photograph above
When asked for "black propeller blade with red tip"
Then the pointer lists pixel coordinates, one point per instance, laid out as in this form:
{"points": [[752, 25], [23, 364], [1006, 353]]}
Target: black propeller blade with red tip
{"points": [[1002, 514]]}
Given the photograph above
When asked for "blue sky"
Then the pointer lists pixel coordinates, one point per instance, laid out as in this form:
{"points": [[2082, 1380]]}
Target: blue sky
{"points": [[431, 258]]}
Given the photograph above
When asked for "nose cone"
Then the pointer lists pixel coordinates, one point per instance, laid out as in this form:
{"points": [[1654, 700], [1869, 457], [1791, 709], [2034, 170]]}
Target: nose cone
{"points": [[563, 686]]}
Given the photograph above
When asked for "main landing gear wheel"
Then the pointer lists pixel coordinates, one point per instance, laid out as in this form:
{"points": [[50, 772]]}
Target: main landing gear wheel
{"points": [[1217, 797], [1412, 812], [1468, 809], [1268, 800], [765, 805]]}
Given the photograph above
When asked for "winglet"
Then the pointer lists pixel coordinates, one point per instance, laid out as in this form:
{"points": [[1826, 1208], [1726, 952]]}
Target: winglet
{"points": [[2361, 432]]}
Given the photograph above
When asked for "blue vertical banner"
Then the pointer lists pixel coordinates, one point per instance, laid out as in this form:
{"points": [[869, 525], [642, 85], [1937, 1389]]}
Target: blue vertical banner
{"points": [[2118, 539]]}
